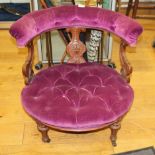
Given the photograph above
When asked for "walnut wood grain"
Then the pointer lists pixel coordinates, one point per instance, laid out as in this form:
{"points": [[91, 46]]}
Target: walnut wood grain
{"points": [[126, 68], [76, 48], [27, 70]]}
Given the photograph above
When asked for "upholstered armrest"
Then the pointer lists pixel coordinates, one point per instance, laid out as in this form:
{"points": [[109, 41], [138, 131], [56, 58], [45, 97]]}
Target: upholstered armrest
{"points": [[35, 23]]}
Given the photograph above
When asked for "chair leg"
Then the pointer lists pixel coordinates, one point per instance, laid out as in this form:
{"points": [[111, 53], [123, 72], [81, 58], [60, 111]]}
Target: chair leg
{"points": [[44, 132], [114, 129]]}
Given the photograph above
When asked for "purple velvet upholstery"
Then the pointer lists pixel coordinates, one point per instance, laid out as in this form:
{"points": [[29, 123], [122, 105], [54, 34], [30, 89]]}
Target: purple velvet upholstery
{"points": [[37, 22], [79, 97]]}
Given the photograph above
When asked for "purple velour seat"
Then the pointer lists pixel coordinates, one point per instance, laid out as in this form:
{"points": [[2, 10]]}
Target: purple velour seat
{"points": [[78, 97]]}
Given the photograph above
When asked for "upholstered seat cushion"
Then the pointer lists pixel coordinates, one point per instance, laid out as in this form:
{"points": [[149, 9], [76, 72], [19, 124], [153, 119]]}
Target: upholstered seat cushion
{"points": [[77, 97]]}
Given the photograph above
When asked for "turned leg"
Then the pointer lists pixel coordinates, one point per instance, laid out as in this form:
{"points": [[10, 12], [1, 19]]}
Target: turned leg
{"points": [[114, 129], [44, 132]]}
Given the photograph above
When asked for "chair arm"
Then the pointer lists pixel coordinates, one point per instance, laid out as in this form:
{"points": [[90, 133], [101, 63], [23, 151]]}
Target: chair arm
{"points": [[126, 68], [27, 70]]}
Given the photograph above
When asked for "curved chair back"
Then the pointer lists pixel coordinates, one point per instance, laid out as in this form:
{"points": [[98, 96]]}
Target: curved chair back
{"points": [[38, 22], [35, 23]]}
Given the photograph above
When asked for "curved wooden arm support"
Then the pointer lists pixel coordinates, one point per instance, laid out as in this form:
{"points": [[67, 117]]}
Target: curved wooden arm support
{"points": [[76, 48], [126, 68], [27, 70]]}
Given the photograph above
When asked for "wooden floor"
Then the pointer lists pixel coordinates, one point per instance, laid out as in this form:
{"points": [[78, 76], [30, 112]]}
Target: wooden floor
{"points": [[18, 133]]}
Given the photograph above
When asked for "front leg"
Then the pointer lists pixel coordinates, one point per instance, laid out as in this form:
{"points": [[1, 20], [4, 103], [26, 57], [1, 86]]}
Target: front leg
{"points": [[114, 129], [44, 132]]}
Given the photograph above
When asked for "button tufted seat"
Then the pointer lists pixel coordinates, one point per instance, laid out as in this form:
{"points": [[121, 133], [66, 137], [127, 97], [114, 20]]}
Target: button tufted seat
{"points": [[77, 96]]}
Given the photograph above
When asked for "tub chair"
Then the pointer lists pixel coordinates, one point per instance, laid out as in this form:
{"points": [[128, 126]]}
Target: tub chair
{"points": [[76, 96]]}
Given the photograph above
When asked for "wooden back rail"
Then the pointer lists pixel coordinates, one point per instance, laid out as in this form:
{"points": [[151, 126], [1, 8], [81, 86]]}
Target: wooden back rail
{"points": [[75, 49], [49, 48]]}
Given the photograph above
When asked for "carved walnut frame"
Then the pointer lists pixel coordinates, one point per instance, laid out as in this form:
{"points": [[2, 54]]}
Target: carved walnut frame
{"points": [[76, 49]]}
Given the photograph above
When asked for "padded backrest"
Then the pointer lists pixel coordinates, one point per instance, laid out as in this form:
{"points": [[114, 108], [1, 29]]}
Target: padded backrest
{"points": [[37, 22]]}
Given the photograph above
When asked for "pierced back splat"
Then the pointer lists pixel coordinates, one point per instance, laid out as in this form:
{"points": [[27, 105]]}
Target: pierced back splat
{"points": [[76, 48]]}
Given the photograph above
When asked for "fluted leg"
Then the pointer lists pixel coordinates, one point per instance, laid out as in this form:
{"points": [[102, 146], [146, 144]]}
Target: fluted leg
{"points": [[114, 129], [44, 132]]}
